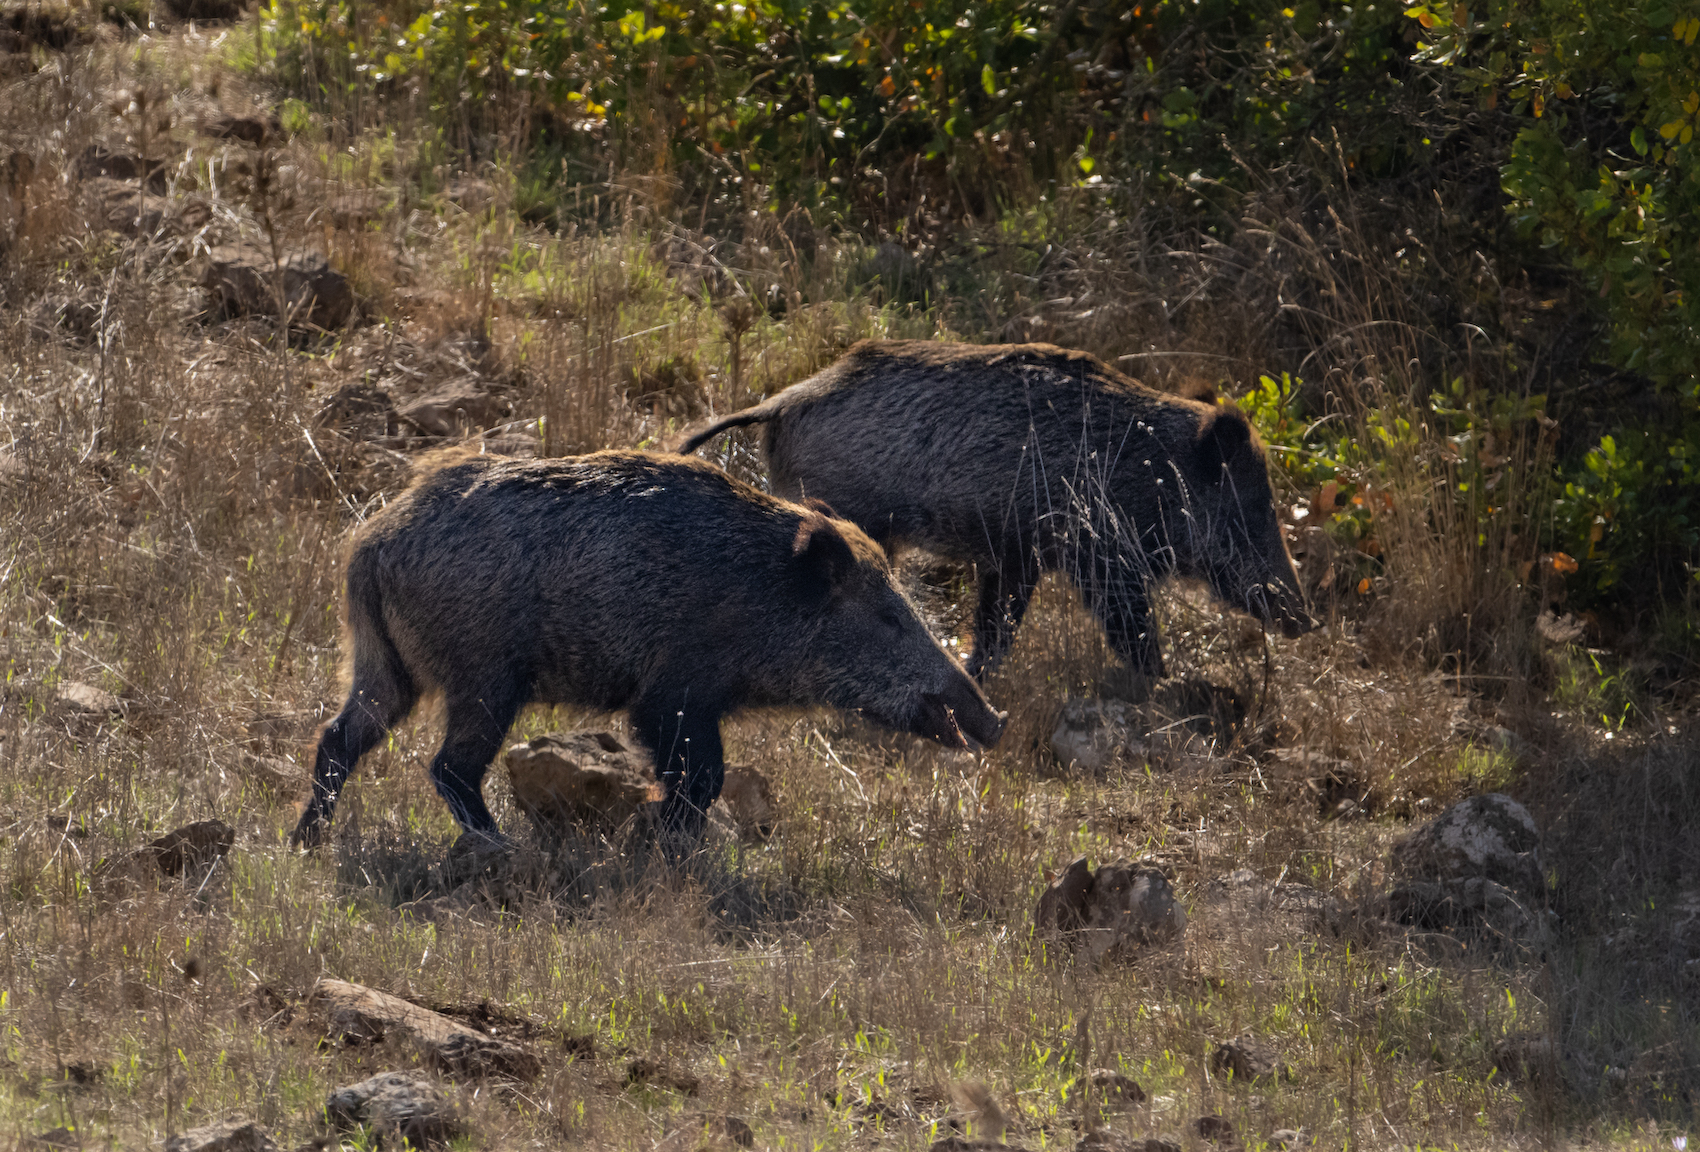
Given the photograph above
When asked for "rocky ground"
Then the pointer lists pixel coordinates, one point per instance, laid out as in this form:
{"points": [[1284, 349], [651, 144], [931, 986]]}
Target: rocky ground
{"points": [[1326, 892]]}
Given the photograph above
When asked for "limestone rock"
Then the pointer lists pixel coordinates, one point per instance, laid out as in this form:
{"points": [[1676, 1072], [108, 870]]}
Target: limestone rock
{"points": [[1489, 837], [238, 282], [580, 780], [398, 1106], [1092, 735], [1118, 907], [369, 1016], [1111, 1090], [1475, 868], [227, 1136]]}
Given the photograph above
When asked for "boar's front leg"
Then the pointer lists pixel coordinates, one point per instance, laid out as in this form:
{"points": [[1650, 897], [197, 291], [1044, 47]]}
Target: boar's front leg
{"points": [[1006, 588], [689, 759], [1124, 609]]}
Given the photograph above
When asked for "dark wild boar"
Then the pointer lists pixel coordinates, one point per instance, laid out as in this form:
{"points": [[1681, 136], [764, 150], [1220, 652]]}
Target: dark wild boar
{"points": [[622, 580], [1027, 458]]}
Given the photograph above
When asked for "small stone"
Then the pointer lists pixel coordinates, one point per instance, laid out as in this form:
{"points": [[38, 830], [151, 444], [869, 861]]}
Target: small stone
{"points": [[1247, 1059], [709, 1132], [646, 1071], [227, 1136], [398, 1105], [365, 1015], [1109, 1140], [1091, 735], [1119, 906], [748, 797], [1288, 1138], [1214, 1129], [191, 847], [1062, 907], [1112, 1090], [261, 131], [583, 780], [456, 409]]}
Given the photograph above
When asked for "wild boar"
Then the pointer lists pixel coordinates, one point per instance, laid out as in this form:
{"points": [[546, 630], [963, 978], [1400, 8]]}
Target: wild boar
{"points": [[1028, 458], [622, 580]]}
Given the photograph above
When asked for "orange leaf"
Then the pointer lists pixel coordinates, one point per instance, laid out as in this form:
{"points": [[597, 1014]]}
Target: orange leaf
{"points": [[1562, 562], [1363, 586], [886, 86], [1425, 19], [1325, 499]]}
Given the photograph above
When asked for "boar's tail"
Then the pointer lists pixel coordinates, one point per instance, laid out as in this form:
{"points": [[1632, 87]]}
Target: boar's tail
{"points": [[376, 665], [760, 414]]}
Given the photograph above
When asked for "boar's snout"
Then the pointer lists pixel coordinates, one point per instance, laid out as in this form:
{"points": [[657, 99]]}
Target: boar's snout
{"points": [[959, 717]]}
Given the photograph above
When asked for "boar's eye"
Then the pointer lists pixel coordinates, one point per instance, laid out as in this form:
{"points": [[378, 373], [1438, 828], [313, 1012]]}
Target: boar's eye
{"points": [[891, 620]]}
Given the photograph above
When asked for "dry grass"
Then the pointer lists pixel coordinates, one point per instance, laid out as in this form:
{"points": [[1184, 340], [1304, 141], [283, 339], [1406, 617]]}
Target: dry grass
{"points": [[173, 511]]}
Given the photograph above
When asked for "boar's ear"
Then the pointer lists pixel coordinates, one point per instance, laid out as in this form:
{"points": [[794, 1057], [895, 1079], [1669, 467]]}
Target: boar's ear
{"points": [[1223, 440], [820, 506], [823, 557]]}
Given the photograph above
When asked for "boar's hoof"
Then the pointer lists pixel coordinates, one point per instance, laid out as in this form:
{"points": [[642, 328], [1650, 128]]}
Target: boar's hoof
{"points": [[308, 834]]}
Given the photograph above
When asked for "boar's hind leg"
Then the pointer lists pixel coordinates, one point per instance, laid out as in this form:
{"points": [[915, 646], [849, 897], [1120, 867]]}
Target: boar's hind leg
{"points": [[472, 736], [689, 759], [1006, 588], [369, 713], [1124, 609]]}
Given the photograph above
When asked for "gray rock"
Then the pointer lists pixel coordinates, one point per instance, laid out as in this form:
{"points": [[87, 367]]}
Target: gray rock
{"points": [[1247, 1059], [227, 1136], [397, 1106], [1111, 1090], [1289, 1138], [1489, 837], [1475, 869]]}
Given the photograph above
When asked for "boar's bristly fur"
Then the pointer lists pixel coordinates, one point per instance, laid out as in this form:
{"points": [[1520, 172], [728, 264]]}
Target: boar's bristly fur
{"points": [[1027, 458], [623, 580]]}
